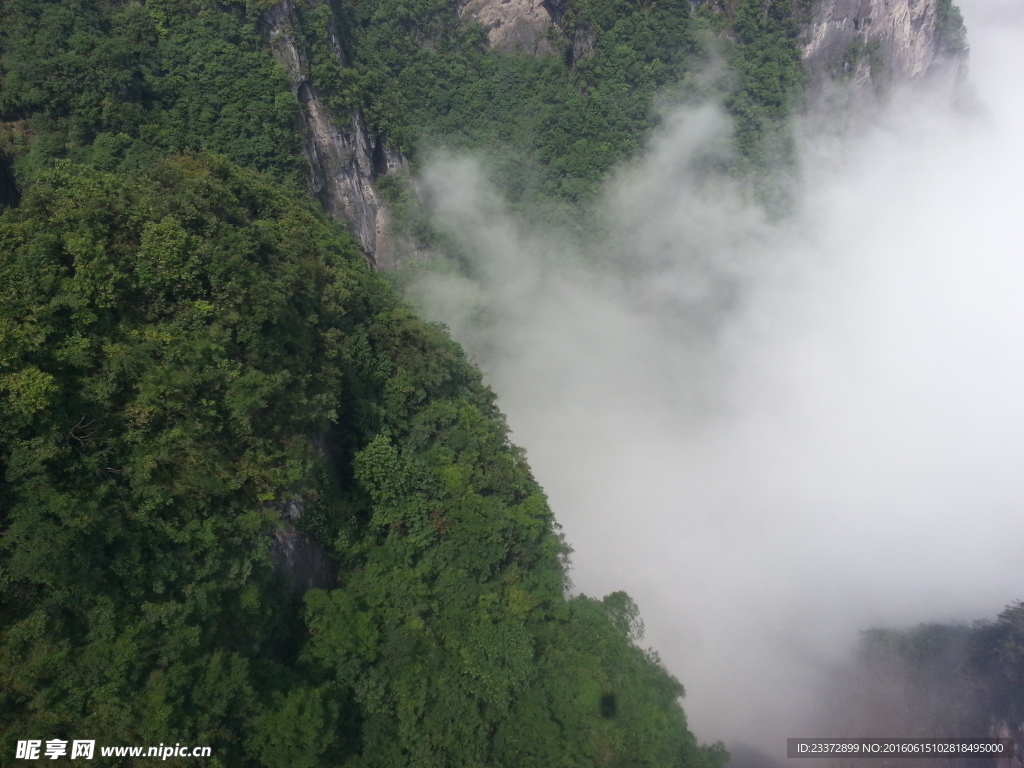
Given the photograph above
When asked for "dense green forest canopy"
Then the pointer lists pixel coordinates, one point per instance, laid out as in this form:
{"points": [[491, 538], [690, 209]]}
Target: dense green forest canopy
{"points": [[117, 85], [199, 374], [555, 124], [196, 367], [190, 350]]}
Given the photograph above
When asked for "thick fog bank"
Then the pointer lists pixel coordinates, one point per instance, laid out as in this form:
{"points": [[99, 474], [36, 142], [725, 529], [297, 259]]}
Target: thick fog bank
{"points": [[776, 434]]}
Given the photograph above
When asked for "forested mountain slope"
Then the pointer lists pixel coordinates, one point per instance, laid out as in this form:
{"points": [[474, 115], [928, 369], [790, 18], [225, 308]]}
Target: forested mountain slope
{"points": [[371, 84], [193, 359], [249, 500]]}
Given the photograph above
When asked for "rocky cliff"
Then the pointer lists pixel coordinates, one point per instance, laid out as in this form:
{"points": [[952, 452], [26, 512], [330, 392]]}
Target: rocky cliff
{"points": [[883, 42], [343, 158], [515, 24]]}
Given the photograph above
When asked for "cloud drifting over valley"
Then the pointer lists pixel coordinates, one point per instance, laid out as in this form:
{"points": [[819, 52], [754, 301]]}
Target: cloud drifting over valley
{"points": [[775, 434]]}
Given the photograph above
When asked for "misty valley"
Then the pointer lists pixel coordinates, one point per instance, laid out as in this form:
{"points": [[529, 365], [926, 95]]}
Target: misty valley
{"points": [[350, 348]]}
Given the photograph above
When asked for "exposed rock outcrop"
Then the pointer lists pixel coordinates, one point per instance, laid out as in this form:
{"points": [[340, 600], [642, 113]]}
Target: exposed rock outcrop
{"points": [[515, 24], [343, 158], [879, 43], [304, 562]]}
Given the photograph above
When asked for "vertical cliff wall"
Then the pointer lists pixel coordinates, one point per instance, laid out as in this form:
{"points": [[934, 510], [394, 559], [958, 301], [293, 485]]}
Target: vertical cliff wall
{"points": [[883, 42], [343, 158]]}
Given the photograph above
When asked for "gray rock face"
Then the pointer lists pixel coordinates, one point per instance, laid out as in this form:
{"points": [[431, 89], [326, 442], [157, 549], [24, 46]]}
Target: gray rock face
{"points": [[342, 156], [304, 561], [514, 24], [879, 43]]}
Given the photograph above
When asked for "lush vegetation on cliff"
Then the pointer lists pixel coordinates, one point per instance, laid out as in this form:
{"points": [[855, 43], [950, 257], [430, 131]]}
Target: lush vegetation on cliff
{"points": [[189, 351], [555, 124], [199, 372], [563, 119], [117, 85]]}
